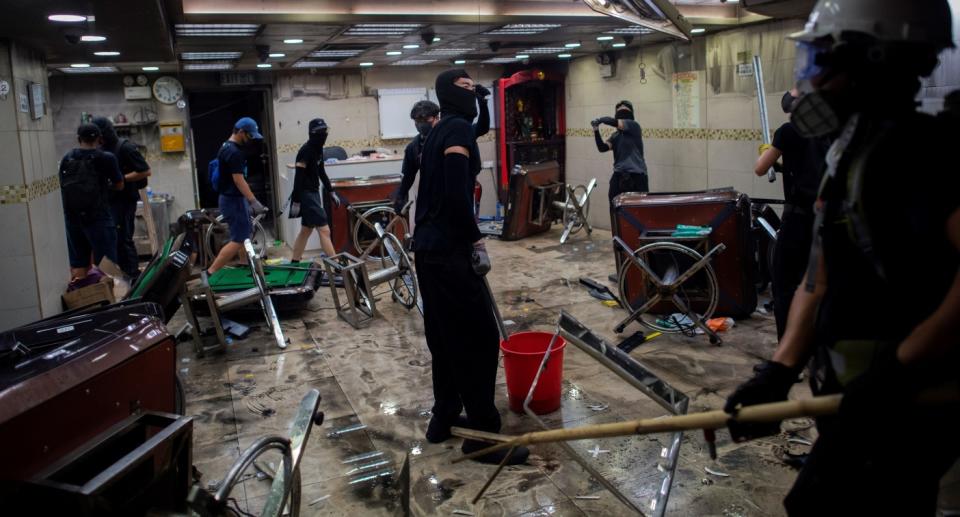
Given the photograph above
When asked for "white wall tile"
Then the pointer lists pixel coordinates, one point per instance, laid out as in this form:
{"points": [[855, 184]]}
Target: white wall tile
{"points": [[12, 318], [18, 277]]}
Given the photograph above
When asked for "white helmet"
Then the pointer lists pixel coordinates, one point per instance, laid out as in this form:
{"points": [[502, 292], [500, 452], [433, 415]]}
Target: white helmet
{"points": [[907, 21]]}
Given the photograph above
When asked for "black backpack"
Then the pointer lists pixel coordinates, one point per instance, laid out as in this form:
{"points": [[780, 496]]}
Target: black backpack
{"points": [[81, 186]]}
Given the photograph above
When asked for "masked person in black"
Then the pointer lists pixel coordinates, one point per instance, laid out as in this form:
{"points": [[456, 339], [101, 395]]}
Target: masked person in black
{"points": [[123, 203], [878, 316], [460, 328], [629, 167], [306, 191], [425, 115], [802, 170]]}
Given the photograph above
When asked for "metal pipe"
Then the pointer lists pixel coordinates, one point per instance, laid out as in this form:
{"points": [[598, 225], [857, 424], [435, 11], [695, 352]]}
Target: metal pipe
{"points": [[762, 99]]}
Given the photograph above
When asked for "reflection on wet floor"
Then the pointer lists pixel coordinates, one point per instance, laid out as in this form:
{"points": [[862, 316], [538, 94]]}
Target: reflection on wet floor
{"points": [[375, 384]]}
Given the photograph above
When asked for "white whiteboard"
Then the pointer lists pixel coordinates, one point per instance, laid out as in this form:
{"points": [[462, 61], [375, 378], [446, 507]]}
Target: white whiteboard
{"points": [[395, 105]]}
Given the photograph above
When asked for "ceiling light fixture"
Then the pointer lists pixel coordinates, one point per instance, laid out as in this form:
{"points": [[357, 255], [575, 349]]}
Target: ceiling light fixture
{"points": [[293, 41], [366, 64], [90, 70], [436, 39], [315, 64], [190, 56], [337, 53], [92, 38], [523, 29], [523, 56], [572, 45], [563, 56], [216, 29], [544, 50], [698, 30], [633, 29], [500, 60], [150, 68], [619, 45], [447, 51], [460, 62], [80, 65], [277, 54], [413, 62], [107, 53], [264, 65], [394, 52], [604, 38], [382, 29], [208, 66], [411, 45], [67, 18]]}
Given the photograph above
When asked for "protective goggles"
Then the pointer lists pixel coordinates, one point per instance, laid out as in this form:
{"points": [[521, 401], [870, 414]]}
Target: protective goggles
{"points": [[809, 60]]}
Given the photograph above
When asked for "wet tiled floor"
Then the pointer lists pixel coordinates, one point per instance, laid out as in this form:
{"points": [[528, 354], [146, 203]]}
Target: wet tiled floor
{"points": [[375, 385]]}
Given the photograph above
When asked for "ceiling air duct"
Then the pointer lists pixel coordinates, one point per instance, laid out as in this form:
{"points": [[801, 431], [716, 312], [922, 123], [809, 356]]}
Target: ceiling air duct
{"points": [[659, 15]]}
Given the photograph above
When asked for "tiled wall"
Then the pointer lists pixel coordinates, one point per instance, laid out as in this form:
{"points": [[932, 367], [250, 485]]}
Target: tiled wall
{"points": [[719, 153], [34, 258], [103, 95]]}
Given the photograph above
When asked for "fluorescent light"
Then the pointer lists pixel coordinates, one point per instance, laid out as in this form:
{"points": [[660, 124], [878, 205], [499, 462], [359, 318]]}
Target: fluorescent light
{"points": [[410, 26], [698, 30], [619, 45], [436, 39], [413, 62], [92, 38], [208, 66], [394, 52], [189, 56], [264, 65], [544, 50], [315, 64], [498, 60], [80, 65], [572, 45], [460, 62], [447, 51], [366, 63], [67, 18], [411, 45], [277, 54], [293, 41], [150, 68], [345, 52], [563, 56], [604, 38], [523, 29], [632, 29], [107, 53], [382, 29], [90, 70], [523, 56], [216, 29]]}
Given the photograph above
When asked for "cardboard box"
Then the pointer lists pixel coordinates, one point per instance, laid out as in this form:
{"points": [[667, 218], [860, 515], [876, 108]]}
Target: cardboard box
{"points": [[89, 295]]}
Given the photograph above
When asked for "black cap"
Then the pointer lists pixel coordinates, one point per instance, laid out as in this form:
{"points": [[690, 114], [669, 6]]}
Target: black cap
{"points": [[317, 125], [88, 132]]}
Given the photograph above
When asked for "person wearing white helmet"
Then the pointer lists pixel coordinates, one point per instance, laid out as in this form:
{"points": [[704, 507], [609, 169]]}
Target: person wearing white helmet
{"points": [[877, 313]]}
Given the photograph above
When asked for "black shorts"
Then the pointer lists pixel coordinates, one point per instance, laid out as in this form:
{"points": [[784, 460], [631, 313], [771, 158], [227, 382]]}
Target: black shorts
{"points": [[311, 210]]}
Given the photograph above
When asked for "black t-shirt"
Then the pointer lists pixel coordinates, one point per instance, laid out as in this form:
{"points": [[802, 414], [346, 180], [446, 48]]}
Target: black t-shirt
{"points": [[130, 160], [233, 160], [444, 217], [106, 165], [627, 145], [907, 229], [308, 178], [803, 165]]}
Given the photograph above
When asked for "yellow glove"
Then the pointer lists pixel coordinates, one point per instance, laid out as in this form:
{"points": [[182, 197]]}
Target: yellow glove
{"points": [[763, 147]]}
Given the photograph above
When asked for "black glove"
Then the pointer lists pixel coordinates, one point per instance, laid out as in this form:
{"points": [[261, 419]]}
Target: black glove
{"points": [[398, 202], [335, 198], [595, 124], [481, 91], [771, 382], [610, 121], [479, 259]]}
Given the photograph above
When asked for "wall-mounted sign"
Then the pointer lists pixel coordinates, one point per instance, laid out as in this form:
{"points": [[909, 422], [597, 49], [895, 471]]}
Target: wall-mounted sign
{"points": [[237, 78], [136, 93], [24, 102], [171, 137], [4, 89], [744, 69], [38, 103]]}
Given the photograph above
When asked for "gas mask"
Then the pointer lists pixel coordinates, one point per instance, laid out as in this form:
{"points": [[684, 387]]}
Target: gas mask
{"points": [[424, 128], [815, 113], [318, 139], [624, 114]]}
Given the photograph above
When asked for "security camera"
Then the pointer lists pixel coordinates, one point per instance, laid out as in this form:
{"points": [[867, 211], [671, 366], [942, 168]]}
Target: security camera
{"points": [[72, 35], [427, 37], [263, 52], [494, 46]]}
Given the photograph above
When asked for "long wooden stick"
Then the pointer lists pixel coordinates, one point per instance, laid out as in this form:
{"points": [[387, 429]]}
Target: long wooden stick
{"points": [[760, 413]]}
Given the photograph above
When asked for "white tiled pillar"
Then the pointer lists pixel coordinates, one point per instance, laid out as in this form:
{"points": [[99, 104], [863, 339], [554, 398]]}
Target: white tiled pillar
{"points": [[33, 256]]}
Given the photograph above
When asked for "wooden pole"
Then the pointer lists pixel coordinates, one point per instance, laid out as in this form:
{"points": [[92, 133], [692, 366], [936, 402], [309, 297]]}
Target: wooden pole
{"points": [[760, 413]]}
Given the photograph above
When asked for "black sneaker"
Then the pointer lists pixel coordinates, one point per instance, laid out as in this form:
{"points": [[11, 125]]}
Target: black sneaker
{"points": [[517, 457], [437, 432]]}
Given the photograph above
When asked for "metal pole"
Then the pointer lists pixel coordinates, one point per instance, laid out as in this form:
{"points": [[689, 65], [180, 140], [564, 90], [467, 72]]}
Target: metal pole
{"points": [[762, 99]]}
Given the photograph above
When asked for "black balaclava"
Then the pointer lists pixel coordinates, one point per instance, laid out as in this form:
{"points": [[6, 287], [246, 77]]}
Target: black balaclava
{"points": [[318, 133], [624, 113], [455, 100], [107, 132], [786, 102]]}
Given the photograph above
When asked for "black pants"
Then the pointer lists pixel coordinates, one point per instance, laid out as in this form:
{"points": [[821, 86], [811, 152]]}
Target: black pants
{"points": [[124, 213], [463, 338], [790, 261], [894, 469], [627, 182]]}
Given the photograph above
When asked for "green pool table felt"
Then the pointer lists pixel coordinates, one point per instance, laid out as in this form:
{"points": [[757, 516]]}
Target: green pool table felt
{"points": [[238, 278]]}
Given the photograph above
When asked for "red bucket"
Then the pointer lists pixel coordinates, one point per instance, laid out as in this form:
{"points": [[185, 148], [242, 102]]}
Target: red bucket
{"points": [[522, 354]]}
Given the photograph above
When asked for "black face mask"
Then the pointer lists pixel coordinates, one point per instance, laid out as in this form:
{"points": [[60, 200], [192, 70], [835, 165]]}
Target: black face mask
{"points": [[455, 100], [318, 139], [624, 114], [424, 128], [786, 102]]}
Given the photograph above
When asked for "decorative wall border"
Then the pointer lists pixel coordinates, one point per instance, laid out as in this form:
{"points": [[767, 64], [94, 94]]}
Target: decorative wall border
{"points": [[679, 133], [14, 194]]}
